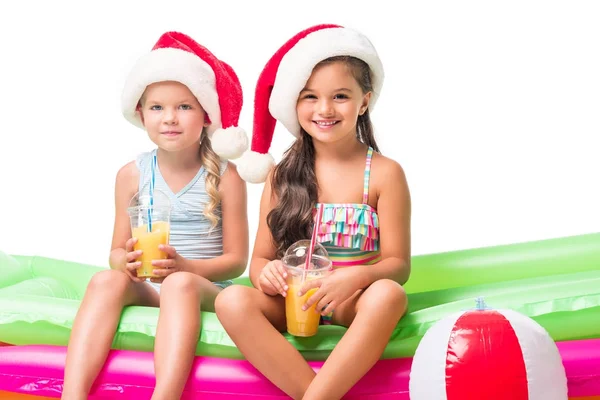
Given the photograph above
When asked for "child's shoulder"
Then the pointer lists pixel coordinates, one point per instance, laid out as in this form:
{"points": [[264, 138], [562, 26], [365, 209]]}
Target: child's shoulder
{"points": [[385, 170], [129, 170], [385, 165], [127, 177], [230, 174]]}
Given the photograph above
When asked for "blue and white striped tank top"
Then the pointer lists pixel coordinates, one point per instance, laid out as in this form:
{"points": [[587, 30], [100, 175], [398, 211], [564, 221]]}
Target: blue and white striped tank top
{"points": [[190, 233]]}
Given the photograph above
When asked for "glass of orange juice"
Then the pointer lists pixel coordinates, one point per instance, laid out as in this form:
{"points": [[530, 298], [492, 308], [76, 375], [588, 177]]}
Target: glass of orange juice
{"points": [[299, 322], [150, 225]]}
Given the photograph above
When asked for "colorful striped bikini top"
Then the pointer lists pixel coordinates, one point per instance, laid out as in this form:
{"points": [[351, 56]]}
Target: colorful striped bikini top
{"points": [[350, 231]]}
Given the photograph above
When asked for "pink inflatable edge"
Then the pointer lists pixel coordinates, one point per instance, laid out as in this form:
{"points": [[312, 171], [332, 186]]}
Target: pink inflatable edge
{"points": [[38, 370]]}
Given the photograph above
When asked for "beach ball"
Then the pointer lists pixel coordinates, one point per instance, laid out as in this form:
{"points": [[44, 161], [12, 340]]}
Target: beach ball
{"points": [[488, 354]]}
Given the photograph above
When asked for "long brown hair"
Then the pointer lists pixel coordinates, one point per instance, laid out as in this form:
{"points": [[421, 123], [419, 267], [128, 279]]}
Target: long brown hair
{"points": [[294, 180]]}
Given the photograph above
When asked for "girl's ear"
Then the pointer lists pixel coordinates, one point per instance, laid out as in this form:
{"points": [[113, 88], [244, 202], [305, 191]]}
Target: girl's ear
{"points": [[365, 103], [138, 111]]}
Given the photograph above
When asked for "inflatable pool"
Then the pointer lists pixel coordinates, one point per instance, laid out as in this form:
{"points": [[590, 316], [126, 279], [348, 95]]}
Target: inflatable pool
{"points": [[556, 282], [130, 374]]}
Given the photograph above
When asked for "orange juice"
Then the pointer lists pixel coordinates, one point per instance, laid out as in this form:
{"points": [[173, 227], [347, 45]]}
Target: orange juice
{"points": [[148, 242], [299, 322]]}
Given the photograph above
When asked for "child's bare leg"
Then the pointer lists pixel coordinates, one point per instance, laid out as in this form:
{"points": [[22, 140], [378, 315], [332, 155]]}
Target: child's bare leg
{"points": [[371, 316], [182, 296], [95, 325], [254, 321]]}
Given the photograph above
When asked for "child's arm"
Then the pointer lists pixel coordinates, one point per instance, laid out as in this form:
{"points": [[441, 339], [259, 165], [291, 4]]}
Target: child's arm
{"points": [[264, 251], [127, 176], [125, 188], [394, 211], [235, 232]]}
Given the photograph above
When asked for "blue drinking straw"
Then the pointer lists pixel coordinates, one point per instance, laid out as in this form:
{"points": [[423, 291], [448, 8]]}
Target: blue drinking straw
{"points": [[153, 173]]}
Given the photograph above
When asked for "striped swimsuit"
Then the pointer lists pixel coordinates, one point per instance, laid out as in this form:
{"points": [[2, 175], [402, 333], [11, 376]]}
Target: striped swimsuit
{"points": [[350, 231], [189, 233]]}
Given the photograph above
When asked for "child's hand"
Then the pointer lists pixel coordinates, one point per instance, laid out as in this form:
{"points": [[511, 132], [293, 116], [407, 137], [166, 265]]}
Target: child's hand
{"points": [[334, 289], [131, 257], [272, 279], [173, 263]]}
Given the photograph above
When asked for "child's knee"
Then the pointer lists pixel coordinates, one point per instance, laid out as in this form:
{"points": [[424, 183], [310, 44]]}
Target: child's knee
{"points": [[232, 302], [387, 294], [180, 282], [110, 279]]}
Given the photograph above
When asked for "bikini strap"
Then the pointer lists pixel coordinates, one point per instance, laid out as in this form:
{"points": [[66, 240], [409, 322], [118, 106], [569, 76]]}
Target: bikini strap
{"points": [[367, 176]]}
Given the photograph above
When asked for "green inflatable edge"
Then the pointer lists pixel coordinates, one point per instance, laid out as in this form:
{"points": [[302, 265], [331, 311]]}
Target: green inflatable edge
{"points": [[555, 282]]}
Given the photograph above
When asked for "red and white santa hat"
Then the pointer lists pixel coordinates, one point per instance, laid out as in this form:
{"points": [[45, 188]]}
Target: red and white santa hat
{"points": [[177, 57], [284, 77]]}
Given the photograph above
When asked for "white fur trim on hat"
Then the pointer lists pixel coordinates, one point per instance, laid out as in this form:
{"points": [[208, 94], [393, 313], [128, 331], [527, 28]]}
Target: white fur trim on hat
{"points": [[298, 63], [229, 143], [254, 167], [170, 64]]}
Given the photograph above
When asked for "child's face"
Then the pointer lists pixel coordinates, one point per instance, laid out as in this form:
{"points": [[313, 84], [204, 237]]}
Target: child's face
{"points": [[172, 116], [330, 103]]}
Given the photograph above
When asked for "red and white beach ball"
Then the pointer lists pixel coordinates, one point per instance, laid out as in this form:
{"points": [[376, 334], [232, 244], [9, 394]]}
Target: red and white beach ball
{"points": [[485, 354]]}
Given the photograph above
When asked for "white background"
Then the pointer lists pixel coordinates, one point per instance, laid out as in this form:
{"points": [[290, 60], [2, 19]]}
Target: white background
{"points": [[492, 108]]}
